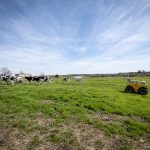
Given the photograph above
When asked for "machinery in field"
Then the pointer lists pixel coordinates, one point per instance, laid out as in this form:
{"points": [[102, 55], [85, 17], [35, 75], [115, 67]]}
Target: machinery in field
{"points": [[135, 86]]}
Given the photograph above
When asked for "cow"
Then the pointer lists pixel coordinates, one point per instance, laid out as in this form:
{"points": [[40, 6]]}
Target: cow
{"points": [[19, 79], [78, 78], [37, 78], [11, 80], [8, 79], [65, 79], [41, 78], [47, 79], [29, 78], [5, 78], [50, 79]]}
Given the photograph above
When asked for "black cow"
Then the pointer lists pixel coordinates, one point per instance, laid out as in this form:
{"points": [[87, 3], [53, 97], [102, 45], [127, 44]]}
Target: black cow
{"points": [[29, 78], [37, 78]]}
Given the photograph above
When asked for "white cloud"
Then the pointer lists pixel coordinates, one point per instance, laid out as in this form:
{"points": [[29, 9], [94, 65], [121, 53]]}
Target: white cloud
{"points": [[81, 49], [77, 37]]}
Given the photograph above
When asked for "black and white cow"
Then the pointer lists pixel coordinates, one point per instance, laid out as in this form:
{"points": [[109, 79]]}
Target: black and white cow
{"points": [[78, 78], [37, 78], [8, 79], [65, 79], [19, 79]]}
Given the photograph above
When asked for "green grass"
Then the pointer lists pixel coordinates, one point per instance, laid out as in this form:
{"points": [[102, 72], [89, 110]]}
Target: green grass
{"points": [[76, 102]]}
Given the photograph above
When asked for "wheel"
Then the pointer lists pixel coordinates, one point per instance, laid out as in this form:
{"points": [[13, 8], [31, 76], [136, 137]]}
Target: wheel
{"points": [[129, 89], [142, 91]]}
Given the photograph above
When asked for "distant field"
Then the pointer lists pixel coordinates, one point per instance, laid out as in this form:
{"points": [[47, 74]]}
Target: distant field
{"points": [[94, 114]]}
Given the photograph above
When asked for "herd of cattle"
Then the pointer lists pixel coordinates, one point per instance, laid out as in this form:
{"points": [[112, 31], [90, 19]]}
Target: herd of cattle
{"points": [[39, 79], [18, 79]]}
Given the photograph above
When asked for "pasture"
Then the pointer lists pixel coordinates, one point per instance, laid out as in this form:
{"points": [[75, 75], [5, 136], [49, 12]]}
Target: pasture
{"points": [[94, 114]]}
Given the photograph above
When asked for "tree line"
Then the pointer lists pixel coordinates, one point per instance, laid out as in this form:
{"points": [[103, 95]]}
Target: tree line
{"points": [[6, 71]]}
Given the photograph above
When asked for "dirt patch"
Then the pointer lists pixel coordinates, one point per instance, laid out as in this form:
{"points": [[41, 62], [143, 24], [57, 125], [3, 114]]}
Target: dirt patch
{"points": [[16, 139], [10, 139], [52, 146], [91, 138], [47, 101], [141, 144], [113, 118], [140, 119], [43, 120], [71, 135], [46, 146], [109, 118]]}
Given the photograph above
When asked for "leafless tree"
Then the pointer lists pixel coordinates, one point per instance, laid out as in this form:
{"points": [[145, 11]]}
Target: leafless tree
{"points": [[5, 71], [21, 72], [143, 72], [42, 74]]}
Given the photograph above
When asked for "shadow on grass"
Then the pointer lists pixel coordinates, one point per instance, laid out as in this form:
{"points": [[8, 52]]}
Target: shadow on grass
{"points": [[134, 93]]}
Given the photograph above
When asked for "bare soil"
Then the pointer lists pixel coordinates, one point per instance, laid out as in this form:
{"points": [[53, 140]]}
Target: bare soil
{"points": [[85, 136]]}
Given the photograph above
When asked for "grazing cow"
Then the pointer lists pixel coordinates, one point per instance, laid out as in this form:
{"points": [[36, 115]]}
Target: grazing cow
{"points": [[29, 78], [66, 79], [8, 79], [19, 79], [50, 79], [37, 78], [47, 79], [42, 78], [78, 78], [11, 80], [5, 78]]}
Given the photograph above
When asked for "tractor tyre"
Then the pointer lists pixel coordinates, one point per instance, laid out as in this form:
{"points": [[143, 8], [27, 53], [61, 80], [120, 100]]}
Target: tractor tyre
{"points": [[142, 91], [129, 89]]}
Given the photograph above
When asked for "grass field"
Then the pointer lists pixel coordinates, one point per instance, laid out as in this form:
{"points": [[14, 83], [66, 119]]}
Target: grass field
{"points": [[94, 114]]}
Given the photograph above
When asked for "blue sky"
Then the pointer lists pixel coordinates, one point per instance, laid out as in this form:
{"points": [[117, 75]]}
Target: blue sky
{"points": [[75, 36]]}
